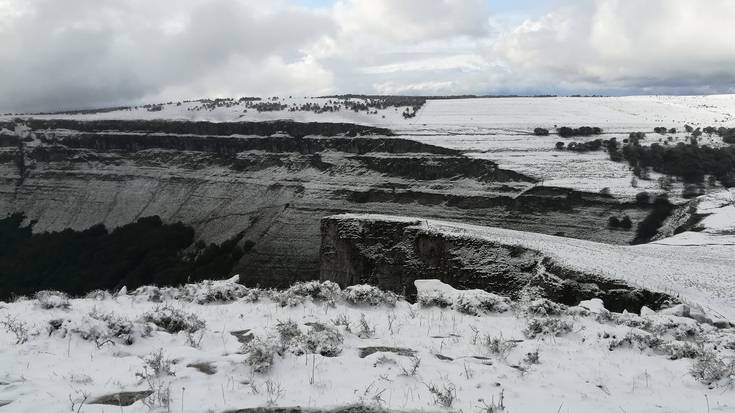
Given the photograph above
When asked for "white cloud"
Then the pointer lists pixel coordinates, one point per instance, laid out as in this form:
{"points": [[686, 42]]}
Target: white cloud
{"points": [[82, 53], [669, 45]]}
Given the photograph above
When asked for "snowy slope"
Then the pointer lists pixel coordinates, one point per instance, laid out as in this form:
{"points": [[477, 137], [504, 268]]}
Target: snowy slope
{"points": [[538, 357]]}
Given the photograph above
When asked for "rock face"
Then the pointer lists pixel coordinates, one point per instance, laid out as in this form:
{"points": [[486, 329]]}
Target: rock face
{"points": [[270, 182], [392, 254]]}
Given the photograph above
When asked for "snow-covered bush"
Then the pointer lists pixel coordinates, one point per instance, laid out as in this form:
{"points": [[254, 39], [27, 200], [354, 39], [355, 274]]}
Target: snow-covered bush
{"points": [[324, 340], [326, 291], [681, 350], [547, 327], [365, 330], [174, 320], [710, 368], [222, 291], [369, 295], [52, 299], [637, 339], [156, 374], [101, 328], [17, 328], [498, 346], [434, 298], [478, 302], [261, 353], [289, 336], [299, 292], [98, 295], [543, 307], [156, 294]]}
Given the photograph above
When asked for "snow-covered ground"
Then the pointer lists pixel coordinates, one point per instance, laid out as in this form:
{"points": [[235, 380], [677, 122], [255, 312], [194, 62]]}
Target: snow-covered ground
{"points": [[499, 129], [535, 357]]}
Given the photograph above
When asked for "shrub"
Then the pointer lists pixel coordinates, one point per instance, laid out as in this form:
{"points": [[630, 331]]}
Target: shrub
{"points": [[174, 320], [365, 329], [541, 132], [444, 394], [289, 335], [326, 291], [710, 368], [207, 292], [98, 295], [18, 328], [478, 302], [498, 346], [368, 294], [547, 327], [560, 145], [632, 339], [433, 298], [323, 340], [544, 307], [52, 299], [261, 353]]}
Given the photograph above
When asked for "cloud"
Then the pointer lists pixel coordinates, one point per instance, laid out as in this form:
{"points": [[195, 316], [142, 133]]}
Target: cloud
{"points": [[674, 46], [82, 53], [88, 53]]}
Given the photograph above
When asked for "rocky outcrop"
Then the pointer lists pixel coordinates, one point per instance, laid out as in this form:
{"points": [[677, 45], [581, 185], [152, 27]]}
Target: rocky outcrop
{"points": [[294, 129], [393, 253], [270, 184]]}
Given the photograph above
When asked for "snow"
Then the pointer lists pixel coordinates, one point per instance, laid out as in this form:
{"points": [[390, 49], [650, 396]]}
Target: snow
{"points": [[577, 371], [500, 129]]}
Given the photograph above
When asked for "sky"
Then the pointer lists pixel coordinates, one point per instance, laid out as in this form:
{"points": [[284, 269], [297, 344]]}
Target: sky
{"points": [[75, 54]]}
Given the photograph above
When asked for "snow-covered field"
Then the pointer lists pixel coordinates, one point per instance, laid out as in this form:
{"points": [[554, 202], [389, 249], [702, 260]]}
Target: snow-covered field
{"points": [[500, 128], [337, 349]]}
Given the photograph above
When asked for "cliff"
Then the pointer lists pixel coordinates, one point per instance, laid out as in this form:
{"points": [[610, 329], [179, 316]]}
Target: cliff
{"points": [[269, 184]]}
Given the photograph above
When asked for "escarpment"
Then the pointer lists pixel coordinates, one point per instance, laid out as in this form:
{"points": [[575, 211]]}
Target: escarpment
{"points": [[393, 252], [269, 184]]}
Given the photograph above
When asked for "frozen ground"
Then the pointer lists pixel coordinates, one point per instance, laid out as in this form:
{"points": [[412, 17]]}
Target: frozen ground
{"points": [[533, 357]]}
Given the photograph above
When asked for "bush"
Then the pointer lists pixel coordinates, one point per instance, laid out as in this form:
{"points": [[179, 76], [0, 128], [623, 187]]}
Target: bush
{"points": [[323, 340], [541, 132], [560, 146], [434, 298], [174, 320], [583, 131], [261, 353], [544, 307], [368, 294], [710, 368], [289, 336], [52, 299], [478, 302], [498, 346], [547, 327], [207, 292], [326, 291]]}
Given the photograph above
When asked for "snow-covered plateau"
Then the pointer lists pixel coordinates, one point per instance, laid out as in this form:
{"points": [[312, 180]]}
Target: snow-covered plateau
{"points": [[218, 346]]}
